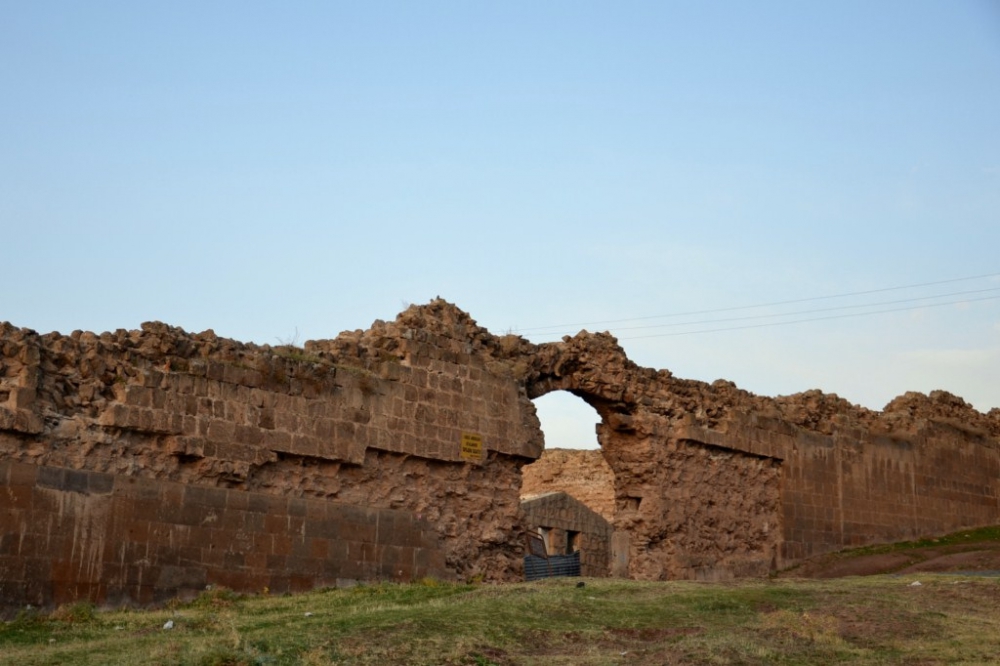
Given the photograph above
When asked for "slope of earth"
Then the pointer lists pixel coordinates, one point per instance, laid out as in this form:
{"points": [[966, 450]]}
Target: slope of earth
{"points": [[968, 551], [874, 620]]}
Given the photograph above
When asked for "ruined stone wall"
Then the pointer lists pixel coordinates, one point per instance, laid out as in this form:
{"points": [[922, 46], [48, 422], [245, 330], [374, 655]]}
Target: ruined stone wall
{"points": [[584, 474], [431, 415], [373, 419], [820, 473], [929, 474]]}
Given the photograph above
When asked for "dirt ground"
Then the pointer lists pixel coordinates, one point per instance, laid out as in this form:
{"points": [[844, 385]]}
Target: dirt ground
{"points": [[978, 557]]}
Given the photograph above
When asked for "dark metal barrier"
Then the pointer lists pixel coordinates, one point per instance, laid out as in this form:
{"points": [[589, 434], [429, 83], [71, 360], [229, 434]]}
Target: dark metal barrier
{"points": [[556, 565]]}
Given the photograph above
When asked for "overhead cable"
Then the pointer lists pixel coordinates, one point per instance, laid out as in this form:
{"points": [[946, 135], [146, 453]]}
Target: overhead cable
{"points": [[795, 313], [799, 321], [554, 328]]}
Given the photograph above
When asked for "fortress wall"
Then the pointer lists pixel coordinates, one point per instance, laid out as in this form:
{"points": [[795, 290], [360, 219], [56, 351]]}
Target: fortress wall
{"points": [[415, 419], [430, 416], [850, 491], [78, 534], [831, 475], [856, 487]]}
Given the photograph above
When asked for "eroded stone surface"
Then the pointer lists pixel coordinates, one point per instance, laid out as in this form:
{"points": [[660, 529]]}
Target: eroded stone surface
{"points": [[583, 474]]}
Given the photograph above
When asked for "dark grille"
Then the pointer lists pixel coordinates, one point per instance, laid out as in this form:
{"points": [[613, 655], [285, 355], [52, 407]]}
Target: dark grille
{"points": [[557, 565]]}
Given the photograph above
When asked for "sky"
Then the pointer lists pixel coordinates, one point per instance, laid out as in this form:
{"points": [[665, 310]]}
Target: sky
{"points": [[287, 171]]}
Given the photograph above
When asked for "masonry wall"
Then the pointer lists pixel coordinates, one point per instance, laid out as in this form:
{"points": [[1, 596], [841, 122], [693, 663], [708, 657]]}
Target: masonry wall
{"points": [[805, 474], [416, 418], [560, 513], [431, 415], [582, 474], [76, 534], [855, 486]]}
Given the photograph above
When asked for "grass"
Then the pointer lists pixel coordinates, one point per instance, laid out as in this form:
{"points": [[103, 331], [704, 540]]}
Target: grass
{"points": [[961, 538], [871, 620], [918, 551]]}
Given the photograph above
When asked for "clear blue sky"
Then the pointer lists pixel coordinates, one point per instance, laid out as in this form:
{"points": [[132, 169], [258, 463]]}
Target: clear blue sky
{"points": [[262, 168]]}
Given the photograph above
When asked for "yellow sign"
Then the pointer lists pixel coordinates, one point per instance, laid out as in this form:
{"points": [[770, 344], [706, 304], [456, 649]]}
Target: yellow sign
{"points": [[472, 446]]}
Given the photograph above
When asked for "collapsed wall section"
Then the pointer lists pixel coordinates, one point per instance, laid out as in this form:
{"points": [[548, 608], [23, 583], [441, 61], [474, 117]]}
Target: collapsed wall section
{"points": [[698, 512]]}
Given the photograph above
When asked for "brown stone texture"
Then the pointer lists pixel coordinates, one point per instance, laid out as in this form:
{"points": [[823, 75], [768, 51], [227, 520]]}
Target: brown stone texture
{"points": [[709, 481], [72, 534], [584, 474], [722, 508], [372, 419], [569, 526], [806, 474]]}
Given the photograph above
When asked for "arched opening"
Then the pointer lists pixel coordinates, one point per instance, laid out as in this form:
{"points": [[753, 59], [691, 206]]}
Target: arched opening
{"points": [[567, 421], [568, 494]]}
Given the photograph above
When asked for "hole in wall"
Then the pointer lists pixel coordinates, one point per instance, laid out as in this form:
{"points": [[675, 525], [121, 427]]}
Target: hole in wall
{"points": [[567, 421], [570, 483], [573, 461]]}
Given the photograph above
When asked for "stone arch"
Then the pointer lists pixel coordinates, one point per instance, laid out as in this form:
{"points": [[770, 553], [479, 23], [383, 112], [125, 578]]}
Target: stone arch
{"points": [[595, 369], [568, 495], [674, 492]]}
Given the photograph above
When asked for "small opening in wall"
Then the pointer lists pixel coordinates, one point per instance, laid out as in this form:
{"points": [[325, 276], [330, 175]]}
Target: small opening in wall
{"points": [[572, 542], [546, 534]]}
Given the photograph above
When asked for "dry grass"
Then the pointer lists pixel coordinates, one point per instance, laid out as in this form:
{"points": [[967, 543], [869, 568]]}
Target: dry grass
{"points": [[871, 620]]}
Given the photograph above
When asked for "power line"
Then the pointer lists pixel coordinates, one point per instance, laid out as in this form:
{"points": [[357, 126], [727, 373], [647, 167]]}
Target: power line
{"points": [[543, 329], [802, 312], [800, 321]]}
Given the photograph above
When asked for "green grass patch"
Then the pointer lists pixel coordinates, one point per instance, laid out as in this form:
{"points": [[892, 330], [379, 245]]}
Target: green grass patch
{"points": [[872, 620], [963, 537]]}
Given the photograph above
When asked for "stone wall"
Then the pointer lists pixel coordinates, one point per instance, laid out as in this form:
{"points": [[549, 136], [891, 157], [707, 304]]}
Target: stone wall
{"points": [[78, 534], [431, 415], [584, 474], [416, 416], [559, 515], [819, 473]]}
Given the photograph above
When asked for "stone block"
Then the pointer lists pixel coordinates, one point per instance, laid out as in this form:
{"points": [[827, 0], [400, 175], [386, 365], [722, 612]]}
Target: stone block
{"points": [[20, 474], [212, 498], [248, 435], [138, 396], [277, 440], [116, 415], [358, 532], [323, 528], [220, 431], [51, 477], [21, 398], [187, 405], [99, 483]]}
